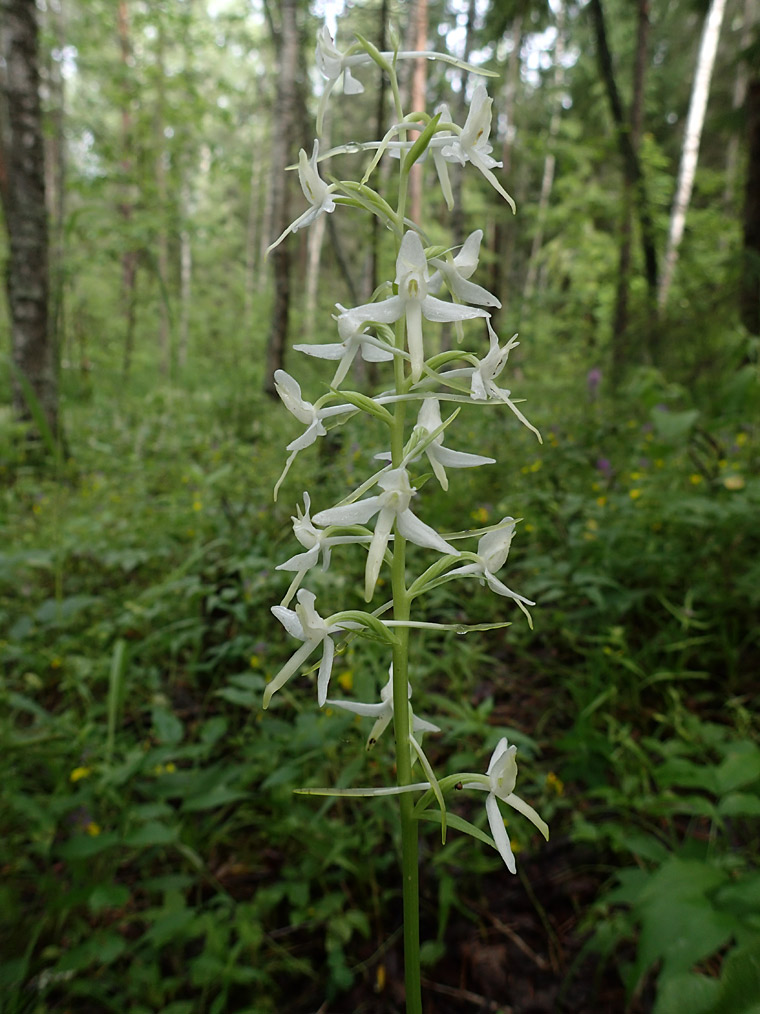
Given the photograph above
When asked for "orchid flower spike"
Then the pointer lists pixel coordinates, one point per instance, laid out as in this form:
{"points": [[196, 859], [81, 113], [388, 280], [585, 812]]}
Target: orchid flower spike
{"points": [[383, 712], [391, 506], [493, 549], [305, 623], [315, 190], [472, 145], [413, 302], [499, 781], [354, 338]]}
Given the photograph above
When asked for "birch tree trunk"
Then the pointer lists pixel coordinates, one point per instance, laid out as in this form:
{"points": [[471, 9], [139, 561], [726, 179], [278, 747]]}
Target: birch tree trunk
{"points": [[504, 233], [550, 159], [22, 189], [690, 150]]}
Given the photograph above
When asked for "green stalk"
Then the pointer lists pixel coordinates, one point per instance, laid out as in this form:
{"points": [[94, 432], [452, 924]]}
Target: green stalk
{"points": [[409, 826], [401, 611]]}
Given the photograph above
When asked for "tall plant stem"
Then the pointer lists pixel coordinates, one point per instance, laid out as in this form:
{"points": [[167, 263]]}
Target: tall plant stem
{"points": [[402, 731]]}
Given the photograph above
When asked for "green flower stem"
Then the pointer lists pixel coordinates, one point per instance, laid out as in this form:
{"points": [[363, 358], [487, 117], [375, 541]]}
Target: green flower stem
{"points": [[401, 726], [401, 611]]}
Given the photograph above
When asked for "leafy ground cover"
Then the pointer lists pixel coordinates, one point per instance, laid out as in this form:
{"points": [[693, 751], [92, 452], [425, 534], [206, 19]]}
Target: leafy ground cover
{"points": [[154, 856]]}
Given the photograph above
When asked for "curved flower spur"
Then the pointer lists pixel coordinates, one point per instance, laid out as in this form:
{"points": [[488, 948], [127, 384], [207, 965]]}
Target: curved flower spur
{"points": [[432, 285]]}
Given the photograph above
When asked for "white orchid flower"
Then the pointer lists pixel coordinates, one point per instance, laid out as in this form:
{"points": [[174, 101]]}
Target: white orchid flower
{"points": [[499, 781], [383, 712], [332, 63], [354, 338], [493, 549], [315, 190], [316, 542], [440, 457], [457, 272], [305, 623], [472, 144], [413, 302], [483, 376], [391, 506], [289, 391]]}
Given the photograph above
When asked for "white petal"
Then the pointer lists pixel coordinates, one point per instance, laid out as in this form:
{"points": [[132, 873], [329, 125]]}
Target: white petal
{"points": [[359, 708], [325, 670], [527, 811], [289, 619], [289, 391], [302, 562], [499, 832], [414, 339], [288, 670], [349, 514], [377, 548], [460, 459], [501, 589], [308, 437], [501, 748], [379, 727], [439, 311], [423, 535], [332, 351]]}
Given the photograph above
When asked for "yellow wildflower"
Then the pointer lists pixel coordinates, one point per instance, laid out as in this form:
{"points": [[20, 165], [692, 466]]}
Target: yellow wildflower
{"points": [[734, 482], [79, 773], [93, 829], [555, 784]]}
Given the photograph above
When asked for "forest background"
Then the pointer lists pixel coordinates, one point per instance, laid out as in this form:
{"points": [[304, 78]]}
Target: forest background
{"points": [[153, 856]]}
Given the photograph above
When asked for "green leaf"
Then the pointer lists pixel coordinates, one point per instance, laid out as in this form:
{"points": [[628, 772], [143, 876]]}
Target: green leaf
{"points": [[219, 795], [739, 804], [365, 404], [741, 767], [420, 145], [686, 991], [151, 833], [106, 896]]}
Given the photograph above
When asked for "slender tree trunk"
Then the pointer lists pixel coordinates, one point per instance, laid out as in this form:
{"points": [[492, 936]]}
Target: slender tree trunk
{"points": [[126, 205], [286, 40], [22, 189], [740, 91], [55, 169], [185, 280], [504, 233], [550, 159], [631, 166], [750, 283], [162, 194], [253, 234], [620, 349], [690, 151], [371, 282], [456, 171]]}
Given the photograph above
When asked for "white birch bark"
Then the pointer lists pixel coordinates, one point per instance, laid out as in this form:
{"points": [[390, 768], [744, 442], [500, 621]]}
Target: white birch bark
{"points": [[550, 161], [690, 150]]}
